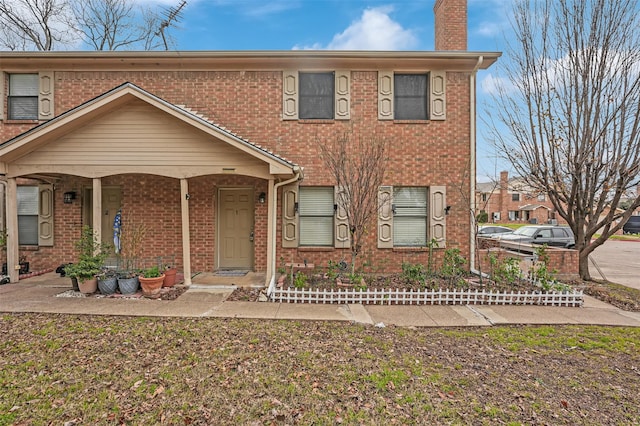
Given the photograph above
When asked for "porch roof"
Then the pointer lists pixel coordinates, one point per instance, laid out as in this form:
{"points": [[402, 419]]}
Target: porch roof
{"points": [[531, 207], [17, 156]]}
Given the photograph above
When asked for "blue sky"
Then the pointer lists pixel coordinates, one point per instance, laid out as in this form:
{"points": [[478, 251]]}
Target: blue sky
{"points": [[339, 25]]}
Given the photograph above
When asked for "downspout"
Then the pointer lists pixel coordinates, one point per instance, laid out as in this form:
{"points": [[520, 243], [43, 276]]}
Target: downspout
{"points": [[472, 175], [298, 176]]}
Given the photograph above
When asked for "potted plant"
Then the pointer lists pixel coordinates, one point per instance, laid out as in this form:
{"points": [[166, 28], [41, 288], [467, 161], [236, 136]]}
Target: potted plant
{"points": [[151, 281], [107, 281], [24, 264], [169, 276], [22, 259], [129, 256], [91, 255]]}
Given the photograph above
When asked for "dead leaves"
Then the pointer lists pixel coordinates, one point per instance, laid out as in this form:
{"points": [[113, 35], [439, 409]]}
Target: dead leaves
{"points": [[224, 371]]}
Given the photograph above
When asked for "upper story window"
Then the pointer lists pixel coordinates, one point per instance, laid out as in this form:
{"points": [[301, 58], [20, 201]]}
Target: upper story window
{"points": [[407, 96], [515, 197], [410, 96], [23, 97], [317, 94], [541, 197]]}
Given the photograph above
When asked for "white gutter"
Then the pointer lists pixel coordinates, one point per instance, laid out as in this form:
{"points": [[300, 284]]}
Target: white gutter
{"points": [[472, 175], [274, 205]]}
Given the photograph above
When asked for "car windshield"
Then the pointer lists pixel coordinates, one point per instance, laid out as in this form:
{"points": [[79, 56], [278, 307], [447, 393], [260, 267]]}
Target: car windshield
{"points": [[526, 231]]}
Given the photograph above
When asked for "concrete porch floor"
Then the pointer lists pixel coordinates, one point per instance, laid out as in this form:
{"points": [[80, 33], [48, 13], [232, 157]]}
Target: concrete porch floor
{"points": [[213, 279]]}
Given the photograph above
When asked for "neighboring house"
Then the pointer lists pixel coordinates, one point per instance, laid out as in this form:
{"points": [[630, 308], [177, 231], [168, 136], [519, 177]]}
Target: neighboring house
{"points": [[512, 201], [217, 152]]}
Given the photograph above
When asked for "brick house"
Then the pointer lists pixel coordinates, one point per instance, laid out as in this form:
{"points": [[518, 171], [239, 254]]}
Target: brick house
{"points": [[513, 201], [216, 153]]}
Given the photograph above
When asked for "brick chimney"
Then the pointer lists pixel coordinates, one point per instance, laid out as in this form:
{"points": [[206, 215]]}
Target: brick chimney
{"points": [[451, 24]]}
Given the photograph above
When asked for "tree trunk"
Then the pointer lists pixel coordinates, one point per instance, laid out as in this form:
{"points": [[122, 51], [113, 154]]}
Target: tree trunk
{"points": [[583, 265]]}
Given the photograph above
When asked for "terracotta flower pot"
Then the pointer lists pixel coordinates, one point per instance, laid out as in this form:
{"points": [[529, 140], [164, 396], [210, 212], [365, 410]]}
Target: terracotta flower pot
{"points": [[89, 286], [169, 277], [151, 286]]}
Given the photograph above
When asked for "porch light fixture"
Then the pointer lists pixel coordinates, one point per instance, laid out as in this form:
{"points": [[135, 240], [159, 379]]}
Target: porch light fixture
{"points": [[262, 197], [446, 210], [69, 197]]}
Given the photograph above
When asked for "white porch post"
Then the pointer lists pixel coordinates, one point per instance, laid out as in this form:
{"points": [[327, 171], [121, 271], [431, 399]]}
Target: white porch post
{"points": [[271, 232], [186, 238], [97, 208], [12, 230]]}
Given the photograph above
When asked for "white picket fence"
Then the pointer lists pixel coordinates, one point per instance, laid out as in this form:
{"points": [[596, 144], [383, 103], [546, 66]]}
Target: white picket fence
{"points": [[426, 297]]}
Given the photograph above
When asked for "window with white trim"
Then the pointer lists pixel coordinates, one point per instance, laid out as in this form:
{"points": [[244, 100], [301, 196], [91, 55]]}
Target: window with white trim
{"points": [[23, 97], [409, 216], [316, 215], [28, 210]]}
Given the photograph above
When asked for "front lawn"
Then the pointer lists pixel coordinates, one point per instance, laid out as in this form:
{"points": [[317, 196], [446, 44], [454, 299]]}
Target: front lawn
{"points": [[99, 370]]}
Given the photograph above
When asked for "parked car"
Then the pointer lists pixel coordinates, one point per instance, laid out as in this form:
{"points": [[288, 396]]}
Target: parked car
{"points": [[553, 236], [492, 231], [632, 226]]}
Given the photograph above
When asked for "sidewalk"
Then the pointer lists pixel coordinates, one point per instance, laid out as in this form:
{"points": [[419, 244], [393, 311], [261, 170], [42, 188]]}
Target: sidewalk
{"points": [[38, 294]]}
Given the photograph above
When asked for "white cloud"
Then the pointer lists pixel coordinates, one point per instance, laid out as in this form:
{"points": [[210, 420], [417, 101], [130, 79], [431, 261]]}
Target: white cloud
{"points": [[489, 29], [492, 85], [375, 30]]}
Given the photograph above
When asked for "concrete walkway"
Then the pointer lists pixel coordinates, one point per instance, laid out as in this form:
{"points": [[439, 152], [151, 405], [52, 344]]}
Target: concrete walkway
{"points": [[40, 294]]}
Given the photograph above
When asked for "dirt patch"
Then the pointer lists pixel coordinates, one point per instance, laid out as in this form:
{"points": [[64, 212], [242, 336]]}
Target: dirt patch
{"points": [[622, 297], [625, 298]]}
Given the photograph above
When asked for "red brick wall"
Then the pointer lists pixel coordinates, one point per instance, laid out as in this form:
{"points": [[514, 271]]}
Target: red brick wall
{"points": [[450, 24], [421, 153], [562, 262]]}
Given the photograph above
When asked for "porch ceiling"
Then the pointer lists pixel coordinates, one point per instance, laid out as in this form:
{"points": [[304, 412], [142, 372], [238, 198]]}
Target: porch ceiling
{"points": [[128, 130]]}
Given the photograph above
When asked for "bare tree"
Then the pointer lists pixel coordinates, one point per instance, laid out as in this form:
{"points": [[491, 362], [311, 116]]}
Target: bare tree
{"points": [[117, 24], [568, 118], [36, 24], [98, 24], [357, 164]]}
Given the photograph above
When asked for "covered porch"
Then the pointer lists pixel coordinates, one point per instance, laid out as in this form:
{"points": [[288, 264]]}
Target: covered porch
{"points": [[213, 193]]}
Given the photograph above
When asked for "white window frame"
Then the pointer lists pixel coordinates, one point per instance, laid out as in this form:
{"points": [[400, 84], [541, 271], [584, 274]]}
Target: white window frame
{"points": [[23, 86], [28, 211], [316, 212], [409, 215]]}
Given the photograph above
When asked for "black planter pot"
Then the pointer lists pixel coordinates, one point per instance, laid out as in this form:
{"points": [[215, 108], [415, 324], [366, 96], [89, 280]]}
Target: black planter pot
{"points": [[24, 268]]}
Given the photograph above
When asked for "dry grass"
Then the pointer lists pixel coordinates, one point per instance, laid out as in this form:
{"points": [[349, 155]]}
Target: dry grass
{"points": [[64, 369]]}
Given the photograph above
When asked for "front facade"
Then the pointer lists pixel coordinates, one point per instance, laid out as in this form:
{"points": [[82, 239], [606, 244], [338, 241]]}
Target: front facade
{"points": [[217, 154]]}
